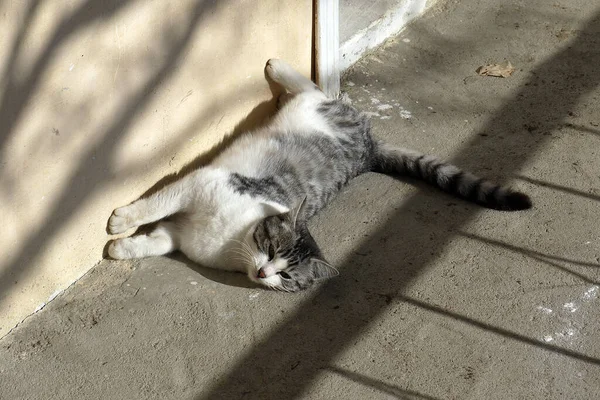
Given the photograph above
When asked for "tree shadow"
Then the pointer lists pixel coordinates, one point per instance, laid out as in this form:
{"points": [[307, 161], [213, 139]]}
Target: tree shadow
{"points": [[85, 176], [17, 93], [561, 188], [338, 312]]}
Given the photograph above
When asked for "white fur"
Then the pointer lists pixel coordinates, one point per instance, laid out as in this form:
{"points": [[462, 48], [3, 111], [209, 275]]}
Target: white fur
{"points": [[214, 224]]}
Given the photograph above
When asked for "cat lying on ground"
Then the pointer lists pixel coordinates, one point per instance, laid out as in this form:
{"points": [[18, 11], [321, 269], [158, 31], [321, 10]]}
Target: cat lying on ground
{"points": [[248, 210]]}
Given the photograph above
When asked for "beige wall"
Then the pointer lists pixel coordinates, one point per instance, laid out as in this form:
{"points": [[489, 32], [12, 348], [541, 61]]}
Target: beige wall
{"points": [[101, 99]]}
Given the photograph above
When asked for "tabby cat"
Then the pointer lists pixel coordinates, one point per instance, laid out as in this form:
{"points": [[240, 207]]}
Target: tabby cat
{"points": [[248, 210]]}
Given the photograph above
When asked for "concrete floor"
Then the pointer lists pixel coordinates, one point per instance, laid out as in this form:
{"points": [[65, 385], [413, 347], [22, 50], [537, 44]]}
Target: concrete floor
{"points": [[437, 298]]}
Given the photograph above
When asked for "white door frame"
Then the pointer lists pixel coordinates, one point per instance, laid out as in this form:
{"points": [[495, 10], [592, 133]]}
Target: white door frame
{"points": [[327, 46]]}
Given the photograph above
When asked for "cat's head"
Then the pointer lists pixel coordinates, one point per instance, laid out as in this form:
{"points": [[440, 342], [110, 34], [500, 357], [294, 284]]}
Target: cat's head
{"points": [[287, 257]]}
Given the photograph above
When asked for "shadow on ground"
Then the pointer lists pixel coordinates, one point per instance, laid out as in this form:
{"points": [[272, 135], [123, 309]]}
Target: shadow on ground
{"points": [[291, 362]]}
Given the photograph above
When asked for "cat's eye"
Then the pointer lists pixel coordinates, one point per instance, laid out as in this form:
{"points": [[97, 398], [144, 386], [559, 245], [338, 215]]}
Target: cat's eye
{"points": [[284, 275], [271, 251]]}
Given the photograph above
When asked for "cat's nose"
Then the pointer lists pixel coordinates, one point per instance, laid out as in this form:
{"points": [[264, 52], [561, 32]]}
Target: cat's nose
{"points": [[261, 273]]}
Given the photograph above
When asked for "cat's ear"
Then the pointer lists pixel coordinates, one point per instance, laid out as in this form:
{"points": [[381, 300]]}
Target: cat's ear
{"points": [[297, 210], [323, 270]]}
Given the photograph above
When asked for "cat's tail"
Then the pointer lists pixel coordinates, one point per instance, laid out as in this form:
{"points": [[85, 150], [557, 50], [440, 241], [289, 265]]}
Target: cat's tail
{"points": [[393, 160]]}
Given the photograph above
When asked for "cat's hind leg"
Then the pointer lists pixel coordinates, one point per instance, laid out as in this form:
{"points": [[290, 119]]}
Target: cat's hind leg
{"points": [[161, 204], [163, 239], [291, 80]]}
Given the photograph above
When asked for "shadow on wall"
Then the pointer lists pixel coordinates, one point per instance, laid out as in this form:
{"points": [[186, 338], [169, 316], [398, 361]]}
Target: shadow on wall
{"points": [[342, 309], [17, 92], [87, 178], [256, 118]]}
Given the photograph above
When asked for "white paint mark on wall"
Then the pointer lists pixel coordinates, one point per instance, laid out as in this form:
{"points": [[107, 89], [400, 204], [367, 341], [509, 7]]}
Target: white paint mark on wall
{"points": [[50, 298], [71, 67], [53, 295]]}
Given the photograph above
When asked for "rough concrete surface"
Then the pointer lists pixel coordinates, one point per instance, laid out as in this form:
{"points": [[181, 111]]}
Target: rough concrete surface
{"points": [[437, 298]]}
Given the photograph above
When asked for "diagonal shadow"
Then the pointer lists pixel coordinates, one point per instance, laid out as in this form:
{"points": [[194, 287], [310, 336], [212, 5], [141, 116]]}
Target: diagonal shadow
{"points": [[500, 331], [335, 315], [528, 252], [584, 129], [559, 187], [548, 259], [399, 393], [83, 177]]}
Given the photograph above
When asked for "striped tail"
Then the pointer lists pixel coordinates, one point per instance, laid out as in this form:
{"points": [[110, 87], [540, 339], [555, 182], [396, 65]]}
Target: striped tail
{"points": [[392, 160]]}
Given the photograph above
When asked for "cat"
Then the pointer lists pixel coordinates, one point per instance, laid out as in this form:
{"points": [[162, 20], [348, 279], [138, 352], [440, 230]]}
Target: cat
{"points": [[248, 210]]}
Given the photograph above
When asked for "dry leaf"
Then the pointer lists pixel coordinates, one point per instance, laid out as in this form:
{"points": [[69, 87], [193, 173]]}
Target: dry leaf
{"points": [[496, 70]]}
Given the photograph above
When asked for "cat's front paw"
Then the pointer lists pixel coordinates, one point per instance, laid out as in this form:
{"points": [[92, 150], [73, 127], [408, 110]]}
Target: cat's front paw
{"points": [[121, 220], [277, 69], [120, 249]]}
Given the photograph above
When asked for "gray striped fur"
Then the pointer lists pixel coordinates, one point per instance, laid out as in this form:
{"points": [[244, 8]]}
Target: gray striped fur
{"points": [[327, 164], [248, 210]]}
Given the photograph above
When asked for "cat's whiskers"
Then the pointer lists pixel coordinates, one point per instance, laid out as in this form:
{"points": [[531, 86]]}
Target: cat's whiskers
{"points": [[238, 258], [244, 251], [244, 256]]}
